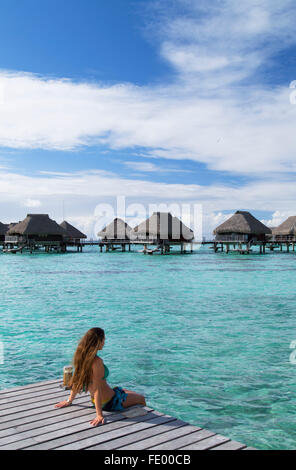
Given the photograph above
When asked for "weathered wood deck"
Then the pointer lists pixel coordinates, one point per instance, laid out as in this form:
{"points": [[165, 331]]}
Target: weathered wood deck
{"points": [[29, 421]]}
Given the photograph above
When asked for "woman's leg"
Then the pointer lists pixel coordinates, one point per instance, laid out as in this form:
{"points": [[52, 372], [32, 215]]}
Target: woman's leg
{"points": [[133, 399]]}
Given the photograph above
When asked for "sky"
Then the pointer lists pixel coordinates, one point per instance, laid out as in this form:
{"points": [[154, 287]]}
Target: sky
{"points": [[163, 102]]}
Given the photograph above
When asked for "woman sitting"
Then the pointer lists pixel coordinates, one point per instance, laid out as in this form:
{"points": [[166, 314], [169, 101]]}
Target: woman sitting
{"points": [[90, 374]]}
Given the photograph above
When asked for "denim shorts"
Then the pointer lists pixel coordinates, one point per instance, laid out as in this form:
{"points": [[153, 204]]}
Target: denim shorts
{"points": [[115, 404]]}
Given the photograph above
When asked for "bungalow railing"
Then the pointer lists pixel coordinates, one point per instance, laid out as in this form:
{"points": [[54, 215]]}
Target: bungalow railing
{"points": [[231, 238], [284, 238], [12, 239]]}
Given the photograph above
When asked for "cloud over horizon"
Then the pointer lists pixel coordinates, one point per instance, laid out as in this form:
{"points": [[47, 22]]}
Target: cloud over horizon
{"points": [[81, 193]]}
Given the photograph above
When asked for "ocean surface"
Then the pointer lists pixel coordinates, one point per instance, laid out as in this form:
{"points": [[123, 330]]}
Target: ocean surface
{"points": [[205, 336]]}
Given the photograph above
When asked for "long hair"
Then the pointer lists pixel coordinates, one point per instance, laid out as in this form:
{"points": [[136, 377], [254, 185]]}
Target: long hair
{"points": [[84, 357]]}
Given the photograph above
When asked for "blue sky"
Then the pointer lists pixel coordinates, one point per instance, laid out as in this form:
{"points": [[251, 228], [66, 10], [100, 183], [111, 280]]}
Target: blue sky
{"points": [[160, 101], [82, 40]]}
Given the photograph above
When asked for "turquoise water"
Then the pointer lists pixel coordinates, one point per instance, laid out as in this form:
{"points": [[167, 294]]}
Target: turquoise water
{"points": [[204, 336]]}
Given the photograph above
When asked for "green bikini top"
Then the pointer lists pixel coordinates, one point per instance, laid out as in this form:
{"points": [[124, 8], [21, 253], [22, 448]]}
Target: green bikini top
{"points": [[106, 372], [105, 375]]}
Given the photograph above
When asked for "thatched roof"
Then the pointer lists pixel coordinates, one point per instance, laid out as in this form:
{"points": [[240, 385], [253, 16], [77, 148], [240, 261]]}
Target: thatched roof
{"points": [[118, 229], [164, 226], [242, 222], [3, 228], [72, 232], [288, 227], [37, 224]]}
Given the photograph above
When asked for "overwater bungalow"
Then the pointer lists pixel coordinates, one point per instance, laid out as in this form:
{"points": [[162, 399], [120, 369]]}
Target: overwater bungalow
{"points": [[3, 230], [286, 231], [72, 235], [118, 230], [242, 227], [117, 233], [12, 224], [163, 227], [36, 230]]}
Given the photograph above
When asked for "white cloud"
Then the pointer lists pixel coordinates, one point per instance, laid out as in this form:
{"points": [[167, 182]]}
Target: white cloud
{"points": [[148, 167], [278, 217], [226, 133], [32, 203], [208, 114], [142, 166]]}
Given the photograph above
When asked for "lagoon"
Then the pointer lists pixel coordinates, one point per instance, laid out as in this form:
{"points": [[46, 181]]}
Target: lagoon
{"points": [[205, 336]]}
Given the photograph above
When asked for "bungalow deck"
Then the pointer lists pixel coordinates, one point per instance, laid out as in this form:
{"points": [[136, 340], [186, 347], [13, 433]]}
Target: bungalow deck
{"points": [[28, 421]]}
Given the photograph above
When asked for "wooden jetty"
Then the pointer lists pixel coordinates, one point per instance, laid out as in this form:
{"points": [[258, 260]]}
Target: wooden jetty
{"points": [[28, 420]]}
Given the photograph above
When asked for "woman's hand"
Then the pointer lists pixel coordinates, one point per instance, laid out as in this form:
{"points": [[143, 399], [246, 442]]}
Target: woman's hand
{"points": [[97, 421], [62, 404]]}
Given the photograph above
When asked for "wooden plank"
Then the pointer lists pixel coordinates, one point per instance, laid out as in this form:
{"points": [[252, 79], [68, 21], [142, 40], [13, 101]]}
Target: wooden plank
{"points": [[55, 394], [180, 431], [206, 444], [183, 441], [31, 404], [69, 435], [83, 404], [151, 432], [230, 445], [32, 432], [51, 439], [46, 421], [24, 391], [47, 425], [33, 398], [44, 407], [22, 394], [25, 387], [131, 428]]}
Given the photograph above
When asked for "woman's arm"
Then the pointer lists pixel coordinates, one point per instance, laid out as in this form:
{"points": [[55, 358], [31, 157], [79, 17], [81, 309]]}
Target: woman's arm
{"points": [[98, 374], [68, 402]]}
